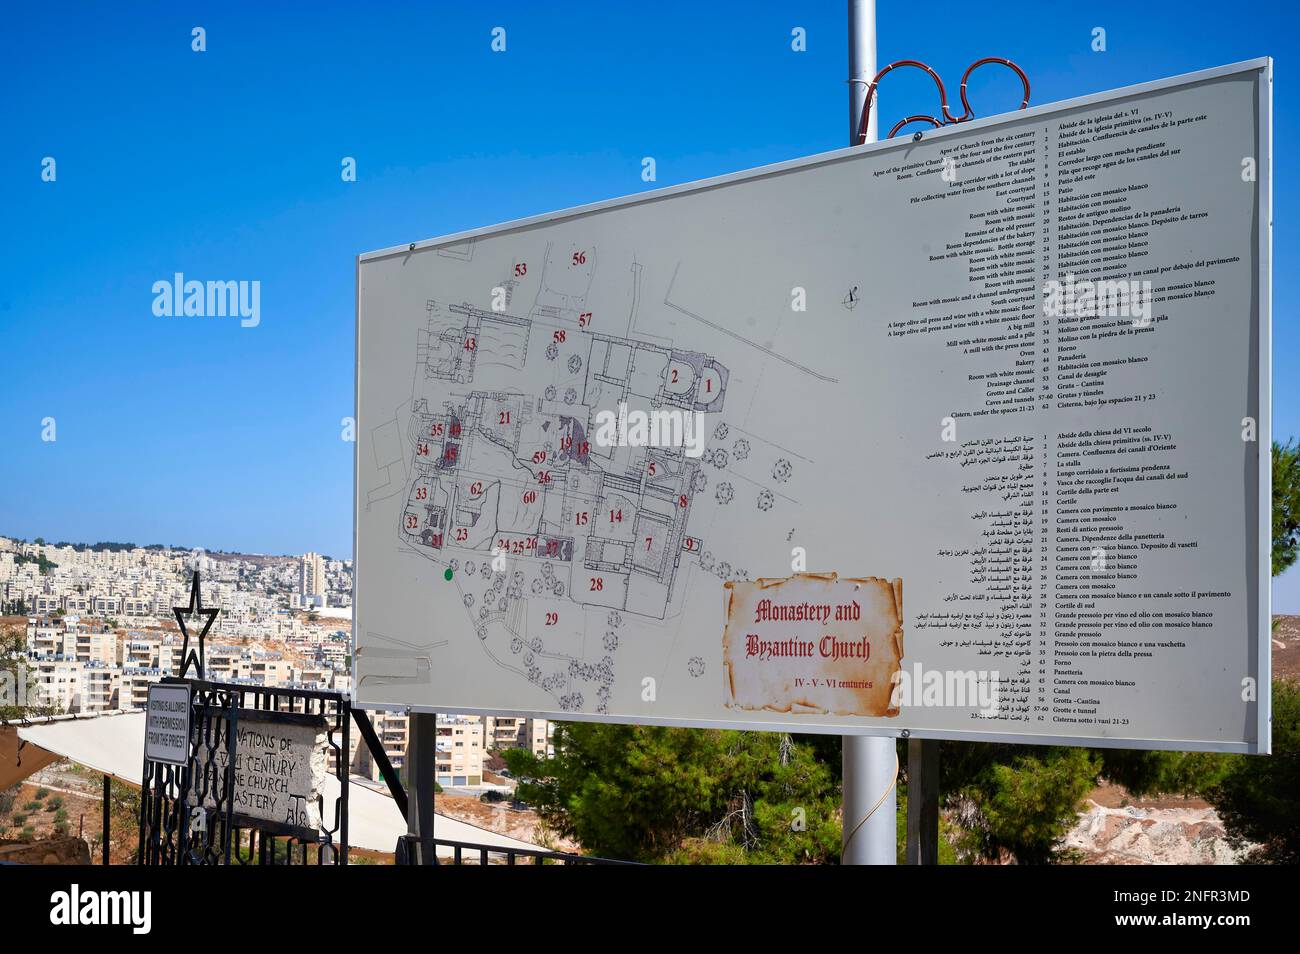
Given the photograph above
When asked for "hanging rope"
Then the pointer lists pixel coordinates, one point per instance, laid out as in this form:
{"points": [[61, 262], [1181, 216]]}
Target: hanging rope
{"points": [[871, 811]]}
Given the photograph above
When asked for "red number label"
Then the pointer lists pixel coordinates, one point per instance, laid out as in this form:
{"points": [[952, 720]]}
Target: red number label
{"points": [[559, 336], [521, 269], [476, 488], [597, 583], [580, 518], [412, 522], [584, 319], [579, 258], [552, 619]]}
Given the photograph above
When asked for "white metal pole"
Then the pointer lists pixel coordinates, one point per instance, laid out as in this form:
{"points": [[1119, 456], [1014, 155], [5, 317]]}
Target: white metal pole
{"points": [[870, 763], [862, 64]]}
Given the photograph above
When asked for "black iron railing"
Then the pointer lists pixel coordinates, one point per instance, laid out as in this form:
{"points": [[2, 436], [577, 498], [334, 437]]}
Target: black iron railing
{"points": [[467, 853]]}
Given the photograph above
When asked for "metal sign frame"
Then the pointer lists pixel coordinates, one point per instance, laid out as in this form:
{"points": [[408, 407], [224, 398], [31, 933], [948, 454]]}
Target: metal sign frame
{"points": [[166, 835]]}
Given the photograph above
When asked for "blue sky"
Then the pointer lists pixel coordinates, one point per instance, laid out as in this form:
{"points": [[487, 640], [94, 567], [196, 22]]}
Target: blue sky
{"points": [[225, 165]]}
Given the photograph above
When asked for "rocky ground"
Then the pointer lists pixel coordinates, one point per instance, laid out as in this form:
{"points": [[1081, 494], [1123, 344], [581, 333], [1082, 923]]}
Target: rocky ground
{"points": [[1115, 829]]}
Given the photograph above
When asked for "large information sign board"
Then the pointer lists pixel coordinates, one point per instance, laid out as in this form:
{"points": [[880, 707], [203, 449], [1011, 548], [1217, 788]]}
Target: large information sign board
{"points": [[960, 435]]}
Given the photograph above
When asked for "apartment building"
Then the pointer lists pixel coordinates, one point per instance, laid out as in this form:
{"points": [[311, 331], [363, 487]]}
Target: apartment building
{"points": [[69, 638], [133, 692], [269, 669], [311, 580], [58, 682], [106, 605], [508, 732], [102, 687], [138, 651], [458, 750], [393, 732], [95, 646], [50, 637], [137, 606], [223, 663]]}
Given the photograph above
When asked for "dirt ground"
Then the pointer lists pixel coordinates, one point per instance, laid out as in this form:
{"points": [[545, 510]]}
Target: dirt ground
{"points": [[1286, 647], [84, 818], [502, 818]]}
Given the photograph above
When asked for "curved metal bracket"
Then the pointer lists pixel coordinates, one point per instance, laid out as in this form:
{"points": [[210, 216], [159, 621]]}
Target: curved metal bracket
{"points": [[948, 118]]}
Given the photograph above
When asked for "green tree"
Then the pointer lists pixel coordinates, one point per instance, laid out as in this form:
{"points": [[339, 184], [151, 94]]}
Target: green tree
{"points": [[652, 793], [781, 805], [14, 674], [1259, 797], [1015, 802], [1286, 505]]}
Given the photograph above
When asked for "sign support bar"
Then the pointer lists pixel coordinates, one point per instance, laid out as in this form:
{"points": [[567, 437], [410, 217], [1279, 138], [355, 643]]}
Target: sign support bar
{"points": [[869, 763]]}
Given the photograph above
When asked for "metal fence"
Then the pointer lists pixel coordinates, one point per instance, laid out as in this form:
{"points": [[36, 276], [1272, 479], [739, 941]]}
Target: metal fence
{"points": [[171, 794], [469, 853]]}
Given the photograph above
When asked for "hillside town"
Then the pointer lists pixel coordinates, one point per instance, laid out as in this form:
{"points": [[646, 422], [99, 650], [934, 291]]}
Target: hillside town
{"points": [[98, 629]]}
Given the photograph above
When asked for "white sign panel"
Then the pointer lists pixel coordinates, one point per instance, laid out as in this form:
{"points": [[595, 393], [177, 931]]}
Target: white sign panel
{"points": [[960, 435], [167, 724]]}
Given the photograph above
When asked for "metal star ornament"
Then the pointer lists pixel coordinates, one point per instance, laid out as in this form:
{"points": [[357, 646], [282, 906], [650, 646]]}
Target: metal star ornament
{"points": [[194, 609]]}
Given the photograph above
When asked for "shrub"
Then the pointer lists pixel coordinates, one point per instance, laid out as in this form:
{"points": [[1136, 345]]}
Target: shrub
{"points": [[1259, 799]]}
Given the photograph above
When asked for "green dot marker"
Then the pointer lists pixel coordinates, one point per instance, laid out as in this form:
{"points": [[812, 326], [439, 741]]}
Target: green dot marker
{"points": [[446, 574]]}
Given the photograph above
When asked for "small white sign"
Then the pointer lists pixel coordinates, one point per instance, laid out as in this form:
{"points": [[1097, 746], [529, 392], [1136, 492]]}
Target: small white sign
{"points": [[167, 724]]}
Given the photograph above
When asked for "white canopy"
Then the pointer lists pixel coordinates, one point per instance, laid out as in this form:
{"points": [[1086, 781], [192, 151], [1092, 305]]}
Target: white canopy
{"points": [[113, 744]]}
